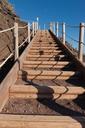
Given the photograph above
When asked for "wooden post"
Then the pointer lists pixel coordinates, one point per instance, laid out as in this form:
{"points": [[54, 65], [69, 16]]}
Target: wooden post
{"points": [[33, 29], [51, 27], [36, 26], [16, 41], [54, 27], [57, 29], [81, 41], [28, 32], [63, 33], [37, 23]]}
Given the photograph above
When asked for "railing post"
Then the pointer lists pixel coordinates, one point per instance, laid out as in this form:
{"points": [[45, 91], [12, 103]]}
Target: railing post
{"points": [[28, 32], [33, 29], [81, 41], [51, 26], [37, 23], [36, 26], [54, 27], [57, 29], [63, 33], [16, 55]]}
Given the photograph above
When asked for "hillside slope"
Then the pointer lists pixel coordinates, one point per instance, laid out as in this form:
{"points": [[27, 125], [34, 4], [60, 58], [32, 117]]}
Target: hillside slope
{"points": [[7, 19]]}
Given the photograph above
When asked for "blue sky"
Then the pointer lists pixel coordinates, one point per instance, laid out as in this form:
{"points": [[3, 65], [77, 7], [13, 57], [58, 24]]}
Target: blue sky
{"points": [[70, 11]]}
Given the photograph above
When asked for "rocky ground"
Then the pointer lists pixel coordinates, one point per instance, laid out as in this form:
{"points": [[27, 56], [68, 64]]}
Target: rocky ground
{"points": [[44, 107]]}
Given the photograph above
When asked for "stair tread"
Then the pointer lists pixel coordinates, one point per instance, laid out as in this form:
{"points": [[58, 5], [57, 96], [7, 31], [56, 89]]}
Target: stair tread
{"points": [[51, 73], [44, 89], [46, 62]]}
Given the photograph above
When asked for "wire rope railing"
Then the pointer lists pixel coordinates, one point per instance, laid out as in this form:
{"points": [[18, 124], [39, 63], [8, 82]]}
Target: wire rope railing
{"points": [[31, 31], [75, 35]]}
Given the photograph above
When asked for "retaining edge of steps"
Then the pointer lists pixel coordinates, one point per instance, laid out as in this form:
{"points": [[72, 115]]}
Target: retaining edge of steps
{"points": [[36, 121]]}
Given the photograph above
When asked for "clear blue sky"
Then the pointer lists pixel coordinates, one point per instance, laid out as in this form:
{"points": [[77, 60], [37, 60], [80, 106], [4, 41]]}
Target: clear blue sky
{"points": [[70, 11]]}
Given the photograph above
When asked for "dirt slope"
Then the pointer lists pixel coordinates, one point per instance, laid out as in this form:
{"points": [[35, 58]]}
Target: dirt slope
{"points": [[7, 19]]}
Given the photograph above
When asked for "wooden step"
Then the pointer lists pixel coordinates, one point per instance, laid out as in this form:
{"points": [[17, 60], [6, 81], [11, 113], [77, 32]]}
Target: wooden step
{"points": [[41, 59], [47, 62], [46, 75], [36, 121], [47, 45], [41, 52], [32, 91], [55, 67], [44, 41], [45, 48], [45, 56], [49, 73], [45, 51]]}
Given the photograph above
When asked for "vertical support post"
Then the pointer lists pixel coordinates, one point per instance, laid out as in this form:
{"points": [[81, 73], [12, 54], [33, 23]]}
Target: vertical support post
{"points": [[54, 27], [28, 32], [37, 23], [63, 33], [33, 29], [57, 25], [16, 41], [51, 27], [36, 26], [81, 41]]}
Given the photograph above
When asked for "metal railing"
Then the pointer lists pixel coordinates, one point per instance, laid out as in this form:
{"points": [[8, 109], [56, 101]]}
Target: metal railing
{"points": [[61, 31], [31, 30]]}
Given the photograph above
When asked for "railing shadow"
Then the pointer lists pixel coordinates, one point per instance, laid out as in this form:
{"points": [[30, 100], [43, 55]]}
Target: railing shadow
{"points": [[51, 102]]}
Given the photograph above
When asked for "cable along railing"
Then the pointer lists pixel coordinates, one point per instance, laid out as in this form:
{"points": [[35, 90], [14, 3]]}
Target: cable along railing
{"points": [[73, 38], [31, 31]]}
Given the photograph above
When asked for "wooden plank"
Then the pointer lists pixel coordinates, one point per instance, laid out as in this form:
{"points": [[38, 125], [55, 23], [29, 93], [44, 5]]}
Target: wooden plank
{"points": [[46, 62], [48, 73], [43, 96], [52, 92], [47, 45], [46, 51], [48, 90], [45, 48], [45, 56], [41, 66], [24, 121], [48, 77]]}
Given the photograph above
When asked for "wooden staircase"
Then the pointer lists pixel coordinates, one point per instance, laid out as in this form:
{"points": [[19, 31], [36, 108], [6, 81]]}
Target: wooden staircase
{"points": [[50, 77]]}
